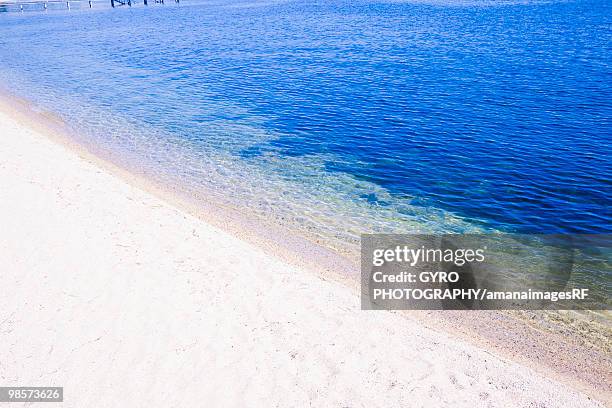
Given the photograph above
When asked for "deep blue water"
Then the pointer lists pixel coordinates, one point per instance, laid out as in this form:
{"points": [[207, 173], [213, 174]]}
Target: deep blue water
{"points": [[427, 115]]}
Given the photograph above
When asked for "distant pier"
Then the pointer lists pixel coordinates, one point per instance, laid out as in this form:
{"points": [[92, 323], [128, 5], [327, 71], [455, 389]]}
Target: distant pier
{"points": [[43, 5]]}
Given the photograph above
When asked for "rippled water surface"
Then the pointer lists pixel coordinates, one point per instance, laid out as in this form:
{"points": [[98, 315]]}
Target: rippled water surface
{"points": [[343, 117]]}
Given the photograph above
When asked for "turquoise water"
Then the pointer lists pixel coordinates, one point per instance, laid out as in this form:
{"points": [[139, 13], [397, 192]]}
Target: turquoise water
{"points": [[342, 117]]}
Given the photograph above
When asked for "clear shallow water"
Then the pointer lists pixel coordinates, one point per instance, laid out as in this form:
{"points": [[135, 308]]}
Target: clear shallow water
{"points": [[343, 117]]}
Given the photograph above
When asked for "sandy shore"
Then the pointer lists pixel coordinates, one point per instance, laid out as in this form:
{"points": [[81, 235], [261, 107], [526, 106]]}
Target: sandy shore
{"points": [[125, 300]]}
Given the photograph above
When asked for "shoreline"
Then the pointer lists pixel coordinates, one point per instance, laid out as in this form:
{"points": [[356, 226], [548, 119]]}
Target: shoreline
{"points": [[277, 240], [301, 254]]}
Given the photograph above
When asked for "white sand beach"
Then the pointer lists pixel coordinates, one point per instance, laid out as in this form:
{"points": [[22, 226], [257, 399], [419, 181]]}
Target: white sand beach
{"points": [[127, 301]]}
